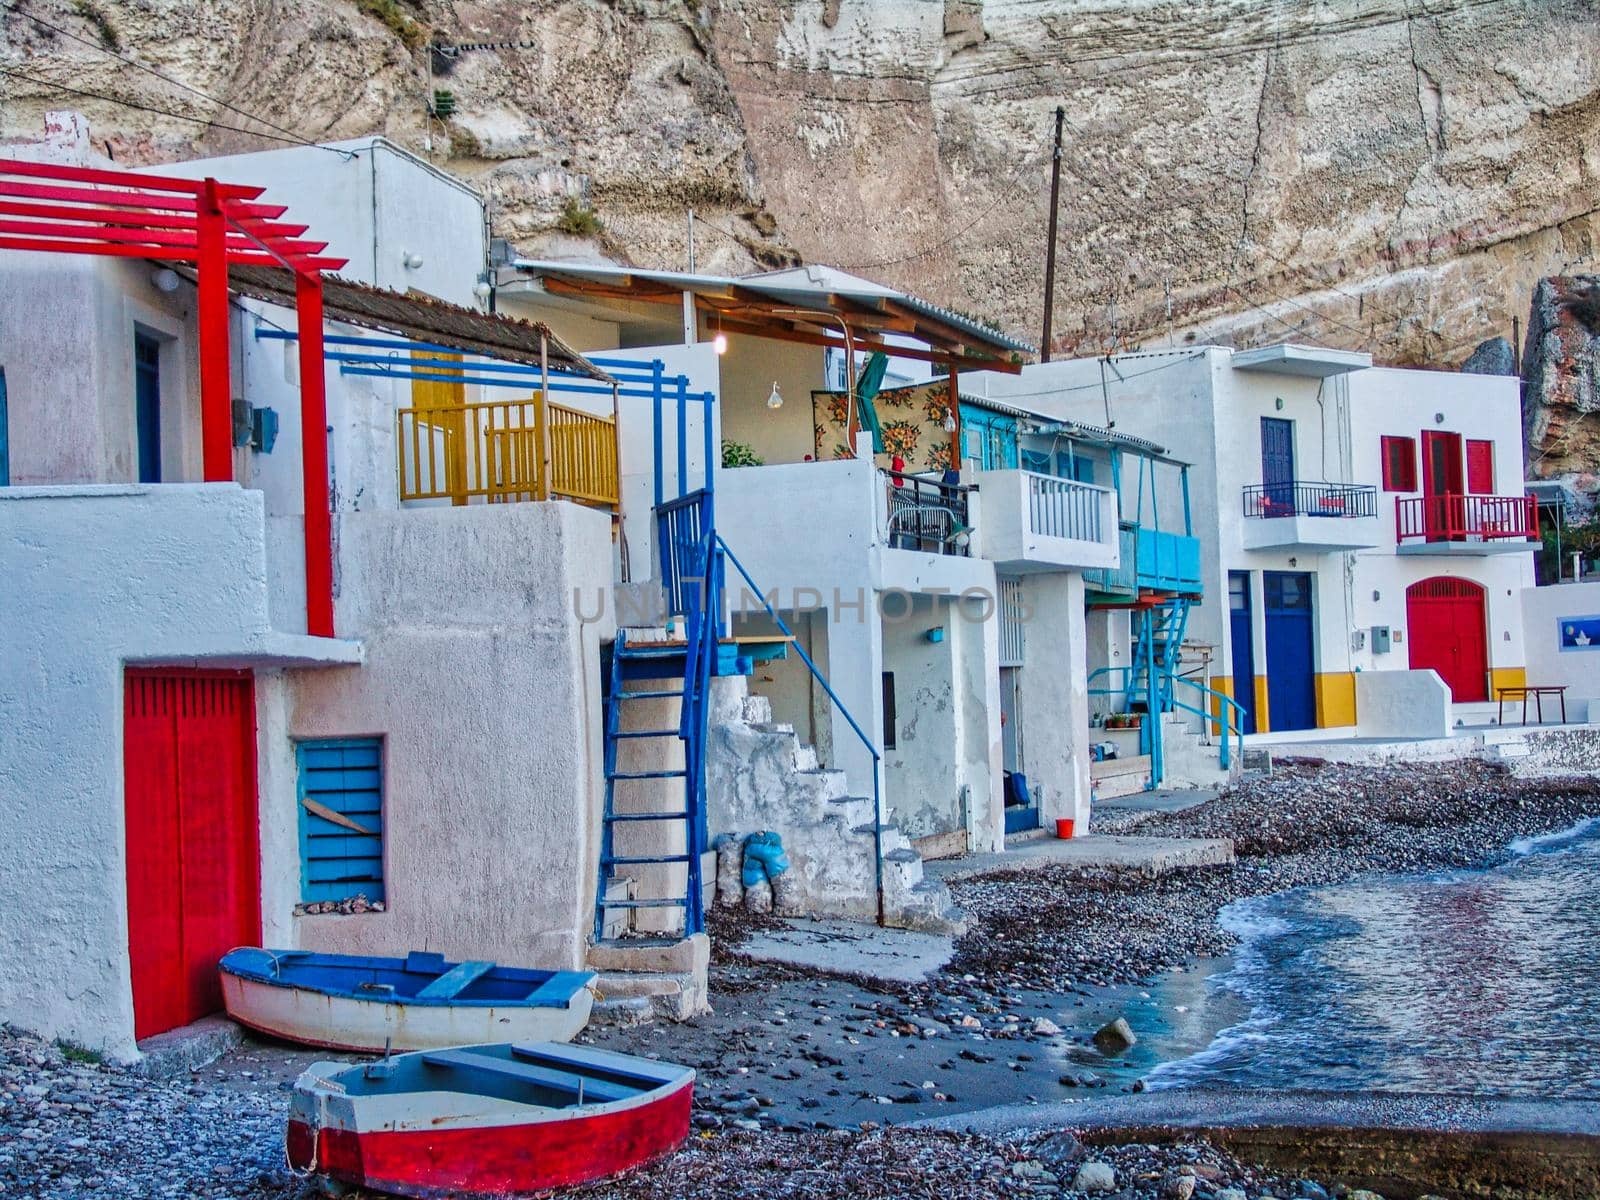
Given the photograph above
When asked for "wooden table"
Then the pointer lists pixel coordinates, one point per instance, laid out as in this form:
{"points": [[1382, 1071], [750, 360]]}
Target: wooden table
{"points": [[1538, 692]]}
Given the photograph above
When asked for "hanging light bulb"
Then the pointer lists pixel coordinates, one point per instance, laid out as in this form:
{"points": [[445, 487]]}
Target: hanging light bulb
{"points": [[775, 400], [720, 343], [949, 421]]}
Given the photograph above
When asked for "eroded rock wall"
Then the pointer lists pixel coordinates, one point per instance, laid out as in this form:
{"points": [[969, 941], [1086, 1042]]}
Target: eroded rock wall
{"points": [[1387, 174]]}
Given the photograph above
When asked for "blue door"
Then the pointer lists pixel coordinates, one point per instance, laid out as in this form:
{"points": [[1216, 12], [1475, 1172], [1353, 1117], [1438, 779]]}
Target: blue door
{"points": [[5, 435], [1244, 654], [1291, 686], [1277, 465], [147, 406]]}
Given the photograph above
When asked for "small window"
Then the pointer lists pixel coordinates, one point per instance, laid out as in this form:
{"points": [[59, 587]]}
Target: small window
{"points": [[341, 819], [1239, 591], [1399, 464], [889, 722]]}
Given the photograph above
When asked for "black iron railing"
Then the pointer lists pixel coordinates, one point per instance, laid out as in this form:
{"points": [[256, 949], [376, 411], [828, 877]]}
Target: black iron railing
{"points": [[1310, 500], [926, 514]]}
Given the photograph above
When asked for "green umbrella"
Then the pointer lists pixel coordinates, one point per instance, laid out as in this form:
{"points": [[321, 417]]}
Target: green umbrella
{"points": [[867, 385]]}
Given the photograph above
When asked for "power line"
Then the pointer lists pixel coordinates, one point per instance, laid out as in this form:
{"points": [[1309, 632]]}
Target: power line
{"points": [[72, 91], [291, 135]]}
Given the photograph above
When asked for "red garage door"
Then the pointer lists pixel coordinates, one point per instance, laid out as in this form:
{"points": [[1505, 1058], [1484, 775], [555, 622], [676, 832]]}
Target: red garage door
{"points": [[194, 889], [1445, 622]]}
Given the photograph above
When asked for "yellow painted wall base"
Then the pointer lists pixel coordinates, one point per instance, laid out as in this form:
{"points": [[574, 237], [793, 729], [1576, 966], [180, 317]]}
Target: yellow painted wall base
{"points": [[1336, 699], [1502, 677], [1263, 722], [1223, 684]]}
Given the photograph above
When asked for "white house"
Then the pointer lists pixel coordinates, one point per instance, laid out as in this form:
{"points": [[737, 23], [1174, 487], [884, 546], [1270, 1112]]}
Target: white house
{"points": [[901, 573], [1359, 522], [176, 739]]}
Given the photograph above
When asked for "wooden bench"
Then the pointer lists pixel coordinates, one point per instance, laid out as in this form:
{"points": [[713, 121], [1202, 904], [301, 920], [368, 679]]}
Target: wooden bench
{"points": [[580, 1087], [1522, 692]]}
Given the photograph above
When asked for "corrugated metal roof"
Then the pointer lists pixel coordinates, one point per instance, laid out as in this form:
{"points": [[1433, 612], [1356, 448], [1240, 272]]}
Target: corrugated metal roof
{"points": [[799, 287], [419, 318]]}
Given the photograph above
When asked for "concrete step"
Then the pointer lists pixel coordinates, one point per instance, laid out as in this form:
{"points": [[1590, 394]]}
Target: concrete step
{"points": [[805, 757], [1121, 785], [757, 710], [779, 727], [906, 863], [1111, 768], [674, 995]]}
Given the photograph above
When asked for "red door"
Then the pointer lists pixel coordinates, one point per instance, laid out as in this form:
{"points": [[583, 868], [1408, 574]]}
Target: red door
{"points": [[1445, 622], [194, 866]]}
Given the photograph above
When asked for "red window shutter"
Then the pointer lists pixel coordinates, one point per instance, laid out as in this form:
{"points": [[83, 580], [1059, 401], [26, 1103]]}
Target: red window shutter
{"points": [[1480, 467], [1399, 456]]}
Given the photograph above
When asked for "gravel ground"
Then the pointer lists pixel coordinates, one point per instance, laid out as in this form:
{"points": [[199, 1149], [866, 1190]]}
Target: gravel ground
{"points": [[800, 1075], [72, 1128]]}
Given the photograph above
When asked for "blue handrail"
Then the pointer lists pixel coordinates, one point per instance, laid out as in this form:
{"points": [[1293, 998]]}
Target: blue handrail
{"points": [[1229, 719], [877, 801]]}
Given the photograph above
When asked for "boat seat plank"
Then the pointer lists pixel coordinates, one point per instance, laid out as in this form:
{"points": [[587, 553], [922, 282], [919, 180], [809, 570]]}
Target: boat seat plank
{"points": [[455, 981], [621, 1066], [424, 961], [599, 1091], [558, 990]]}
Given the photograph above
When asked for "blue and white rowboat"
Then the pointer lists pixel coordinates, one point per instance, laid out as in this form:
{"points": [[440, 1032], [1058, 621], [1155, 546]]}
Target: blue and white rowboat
{"points": [[420, 1002]]}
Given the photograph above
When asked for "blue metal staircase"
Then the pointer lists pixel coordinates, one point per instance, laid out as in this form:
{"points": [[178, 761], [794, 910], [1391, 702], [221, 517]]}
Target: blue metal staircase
{"points": [[692, 583]]}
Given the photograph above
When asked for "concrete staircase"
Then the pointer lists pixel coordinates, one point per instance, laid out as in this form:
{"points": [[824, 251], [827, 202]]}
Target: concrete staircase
{"points": [[760, 776], [1189, 761]]}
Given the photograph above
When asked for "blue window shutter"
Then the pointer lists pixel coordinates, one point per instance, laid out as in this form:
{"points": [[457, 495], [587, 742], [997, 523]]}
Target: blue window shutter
{"points": [[345, 776]]}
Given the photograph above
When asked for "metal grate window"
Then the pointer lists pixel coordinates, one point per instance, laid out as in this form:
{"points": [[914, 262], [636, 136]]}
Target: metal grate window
{"points": [[341, 818], [1011, 635]]}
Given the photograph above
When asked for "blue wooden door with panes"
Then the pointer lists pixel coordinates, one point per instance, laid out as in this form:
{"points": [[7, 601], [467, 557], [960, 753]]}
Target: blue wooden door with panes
{"points": [[1243, 652], [988, 440], [5, 435], [1291, 681], [147, 406], [1277, 466]]}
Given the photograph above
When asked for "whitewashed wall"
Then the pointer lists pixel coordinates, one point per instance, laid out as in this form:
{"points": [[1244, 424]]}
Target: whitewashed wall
{"points": [[98, 577]]}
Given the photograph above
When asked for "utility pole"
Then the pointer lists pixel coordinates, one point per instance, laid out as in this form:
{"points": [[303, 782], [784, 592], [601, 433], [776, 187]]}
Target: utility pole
{"points": [[1050, 247]]}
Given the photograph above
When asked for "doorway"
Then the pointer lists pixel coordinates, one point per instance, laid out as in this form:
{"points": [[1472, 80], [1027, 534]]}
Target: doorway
{"points": [[193, 857], [1242, 652], [1446, 625], [147, 406], [1442, 486], [1291, 671], [1277, 465]]}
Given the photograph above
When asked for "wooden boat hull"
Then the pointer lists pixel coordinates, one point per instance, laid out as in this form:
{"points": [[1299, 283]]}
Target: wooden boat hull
{"points": [[349, 1023], [432, 1145]]}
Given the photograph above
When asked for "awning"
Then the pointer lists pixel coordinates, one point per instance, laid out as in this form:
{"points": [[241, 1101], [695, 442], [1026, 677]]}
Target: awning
{"points": [[417, 318], [812, 304]]}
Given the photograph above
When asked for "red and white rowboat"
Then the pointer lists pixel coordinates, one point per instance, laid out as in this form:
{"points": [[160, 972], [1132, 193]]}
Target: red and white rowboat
{"points": [[500, 1120]]}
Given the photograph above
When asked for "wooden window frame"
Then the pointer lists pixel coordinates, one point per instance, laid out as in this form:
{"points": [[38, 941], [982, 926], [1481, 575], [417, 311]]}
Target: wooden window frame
{"points": [[1388, 463]]}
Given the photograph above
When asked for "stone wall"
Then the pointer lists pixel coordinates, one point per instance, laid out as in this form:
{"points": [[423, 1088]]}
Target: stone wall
{"points": [[1561, 388]]}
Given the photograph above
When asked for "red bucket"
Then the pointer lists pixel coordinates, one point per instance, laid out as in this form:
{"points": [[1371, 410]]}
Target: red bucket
{"points": [[1064, 827]]}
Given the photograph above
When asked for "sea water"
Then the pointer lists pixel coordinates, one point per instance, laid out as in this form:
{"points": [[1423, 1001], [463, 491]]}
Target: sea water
{"points": [[1483, 982]]}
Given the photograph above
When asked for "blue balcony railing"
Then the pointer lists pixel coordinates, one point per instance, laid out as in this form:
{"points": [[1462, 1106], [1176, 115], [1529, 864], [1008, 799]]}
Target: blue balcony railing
{"points": [[1152, 560]]}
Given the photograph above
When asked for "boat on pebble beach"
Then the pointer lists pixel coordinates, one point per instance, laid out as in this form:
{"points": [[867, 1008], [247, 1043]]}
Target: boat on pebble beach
{"points": [[474, 1122], [420, 1002]]}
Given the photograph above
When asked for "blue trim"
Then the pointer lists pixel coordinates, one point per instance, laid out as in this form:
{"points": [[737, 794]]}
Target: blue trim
{"points": [[335, 975]]}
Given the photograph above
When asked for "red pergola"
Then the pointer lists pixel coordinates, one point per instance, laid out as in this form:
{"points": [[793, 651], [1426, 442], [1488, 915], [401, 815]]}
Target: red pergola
{"points": [[126, 214]]}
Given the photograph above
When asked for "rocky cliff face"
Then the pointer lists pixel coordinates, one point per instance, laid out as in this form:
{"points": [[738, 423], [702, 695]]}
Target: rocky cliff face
{"points": [[1385, 174], [1561, 388]]}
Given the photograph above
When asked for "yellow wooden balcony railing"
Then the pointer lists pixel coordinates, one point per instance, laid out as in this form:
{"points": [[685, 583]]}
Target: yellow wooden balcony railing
{"points": [[507, 450]]}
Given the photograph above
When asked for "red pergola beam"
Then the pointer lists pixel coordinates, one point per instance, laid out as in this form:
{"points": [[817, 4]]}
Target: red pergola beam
{"points": [[153, 220], [132, 215], [159, 183]]}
